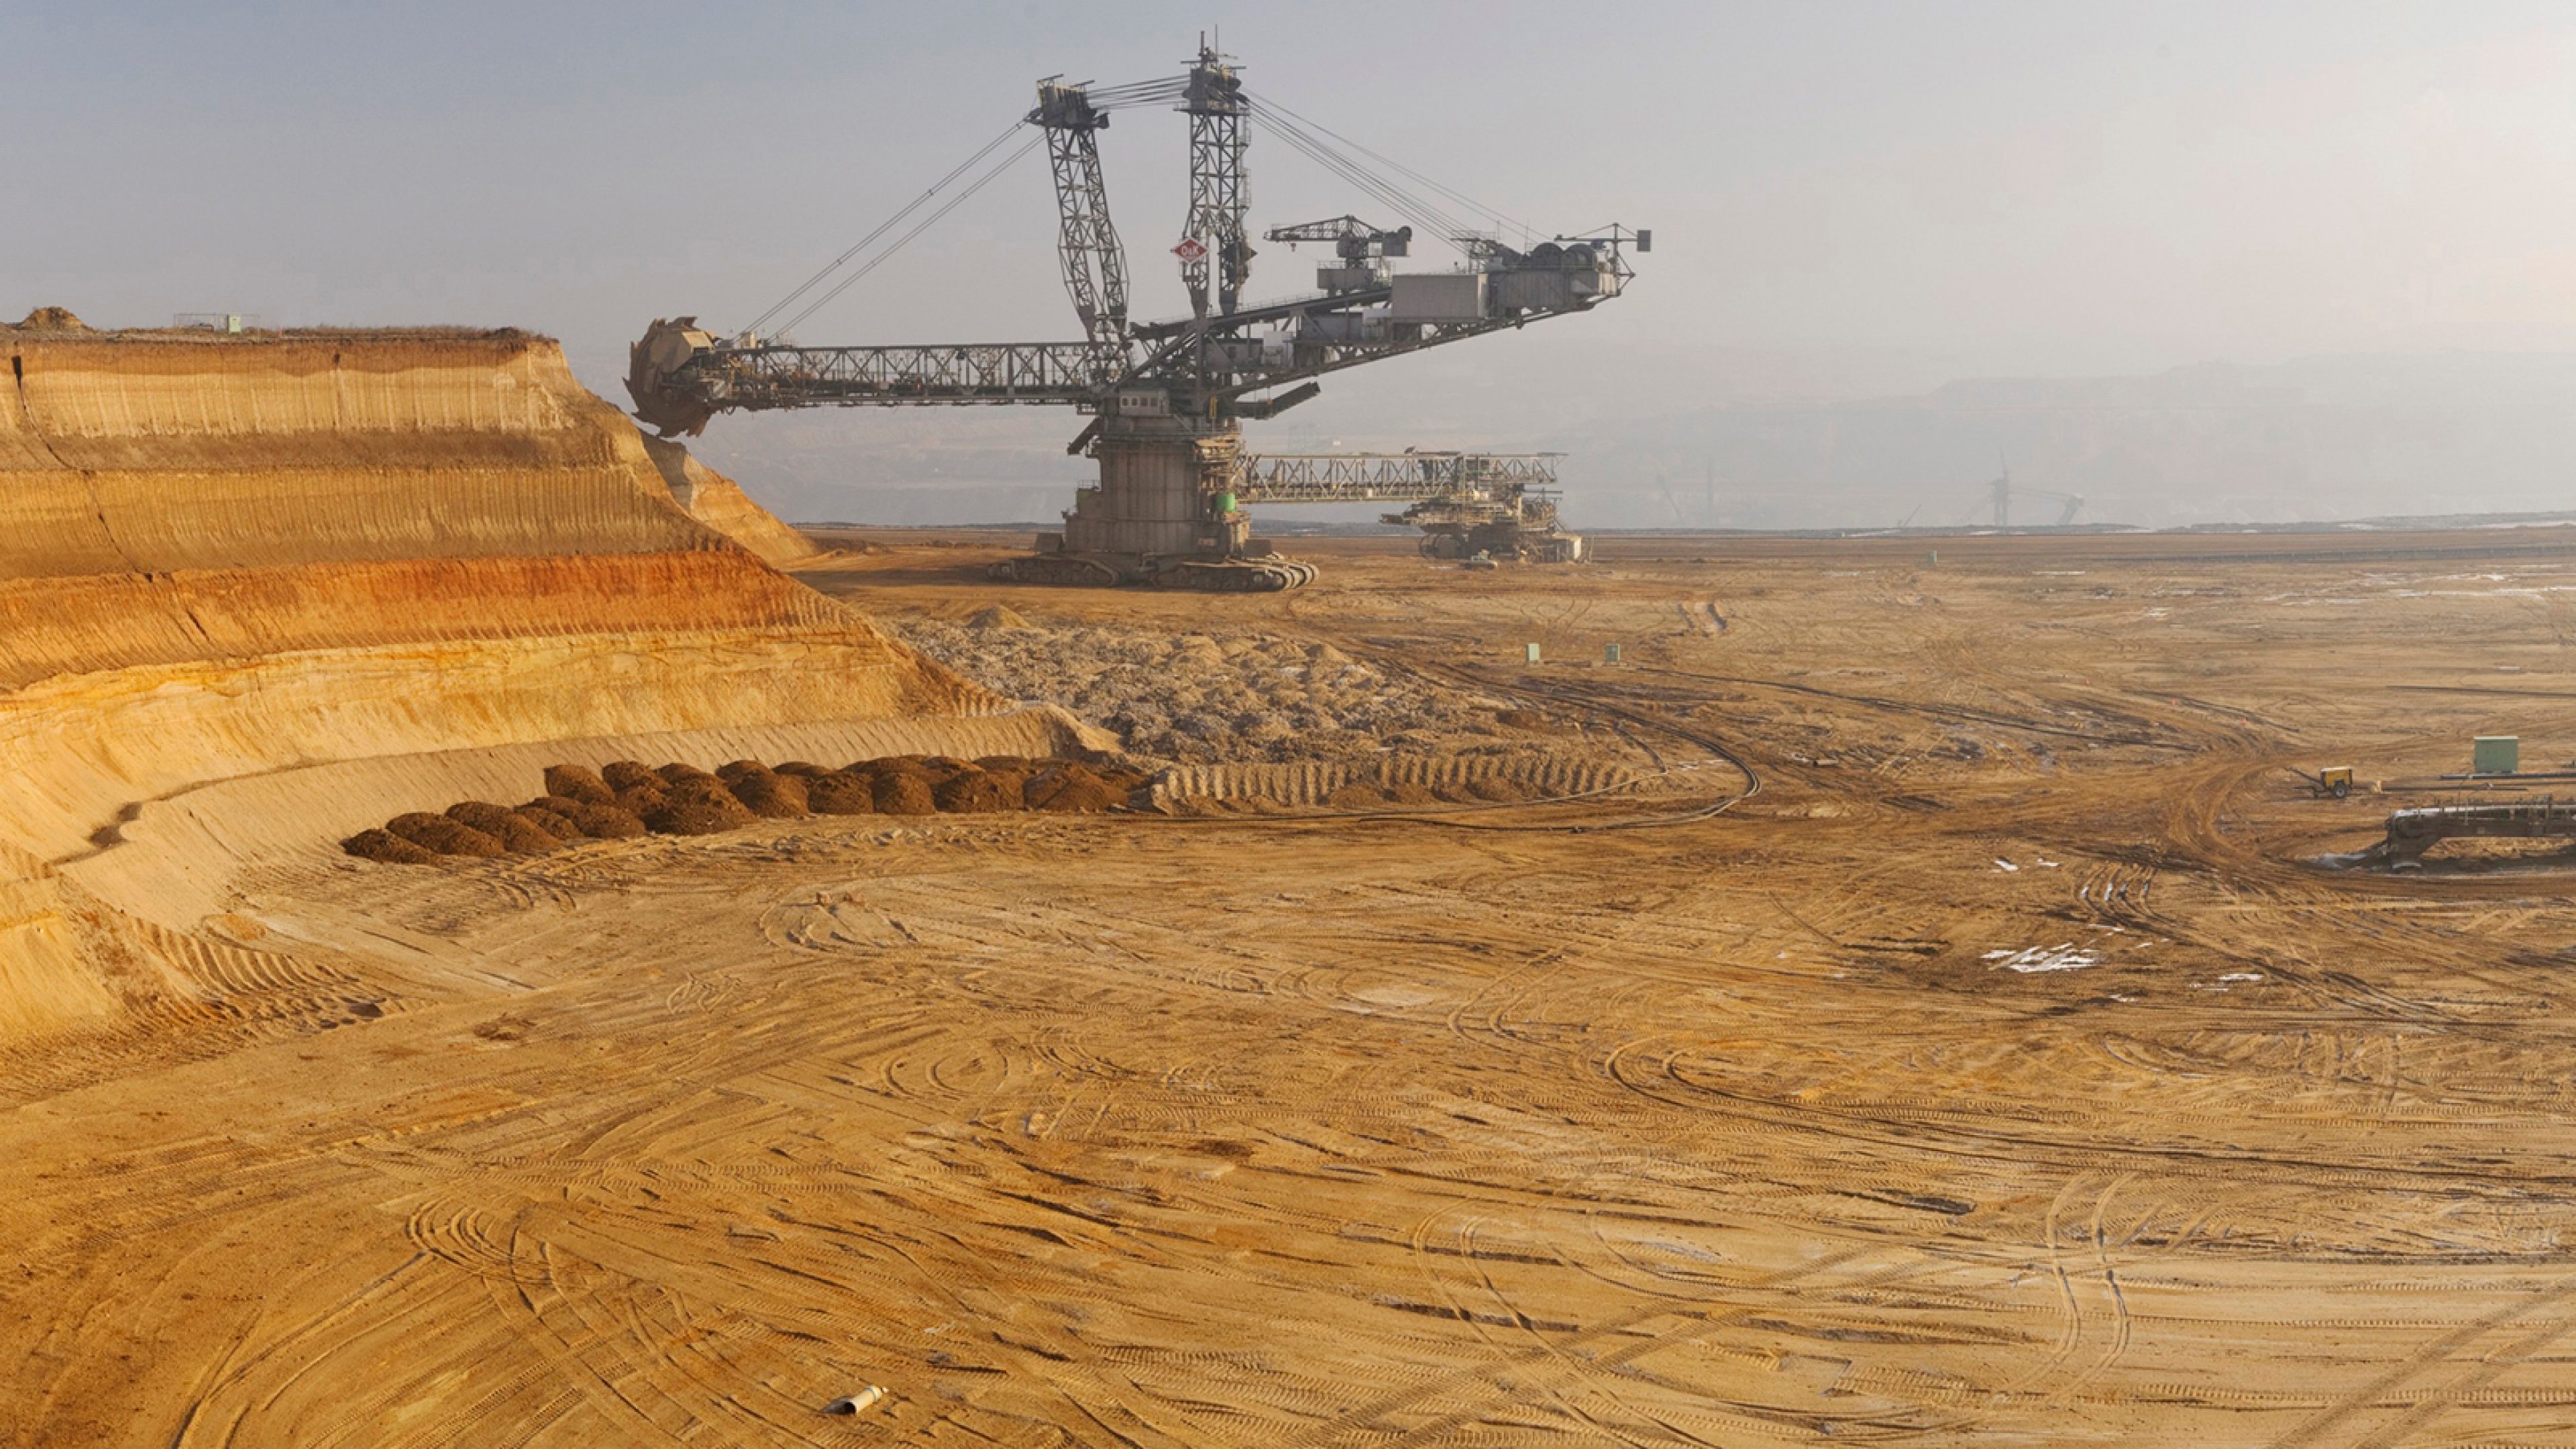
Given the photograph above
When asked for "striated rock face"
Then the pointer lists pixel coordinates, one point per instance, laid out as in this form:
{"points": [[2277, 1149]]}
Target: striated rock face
{"points": [[237, 558], [718, 502]]}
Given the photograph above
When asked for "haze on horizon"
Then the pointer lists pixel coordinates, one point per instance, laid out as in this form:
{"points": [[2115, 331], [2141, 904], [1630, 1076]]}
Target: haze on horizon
{"points": [[2331, 248]]}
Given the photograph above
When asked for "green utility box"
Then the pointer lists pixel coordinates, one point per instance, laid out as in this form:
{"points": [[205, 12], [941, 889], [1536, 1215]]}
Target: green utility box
{"points": [[2496, 755], [1529, 653], [1610, 653]]}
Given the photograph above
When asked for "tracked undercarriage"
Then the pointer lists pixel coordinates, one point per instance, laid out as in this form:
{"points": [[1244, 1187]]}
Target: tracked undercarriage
{"points": [[1164, 514], [1267, 574]]}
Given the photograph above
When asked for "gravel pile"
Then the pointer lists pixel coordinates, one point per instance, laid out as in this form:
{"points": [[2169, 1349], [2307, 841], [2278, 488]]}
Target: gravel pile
{"points": [[1240, 696]]}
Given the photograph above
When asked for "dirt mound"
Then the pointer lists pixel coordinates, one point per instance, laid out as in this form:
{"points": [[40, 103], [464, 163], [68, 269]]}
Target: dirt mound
{"points": [[976, 792], [52, 319], [933, 769], [901, 792], [1071, 788], [385, 846], [580, 782], [445, 836], [806, 768], [552, 822], [996, 616], [642, 798], [1357, 797], [676, 773], [639, 790], [697, 807], [837, 793], [606, 822], [504, 825], [770, 795], [624, 775]]}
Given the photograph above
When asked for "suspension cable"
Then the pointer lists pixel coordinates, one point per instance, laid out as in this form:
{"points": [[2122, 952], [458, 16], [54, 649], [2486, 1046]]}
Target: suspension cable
{"points": [[927, 222], [1524, 228], [888, 225], [1341, 167], [1104, 98], [1407, 205], [1412, 206]]}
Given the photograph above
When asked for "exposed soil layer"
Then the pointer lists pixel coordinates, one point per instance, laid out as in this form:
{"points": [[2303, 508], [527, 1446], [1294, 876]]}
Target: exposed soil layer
{"points": [[235, 567]]}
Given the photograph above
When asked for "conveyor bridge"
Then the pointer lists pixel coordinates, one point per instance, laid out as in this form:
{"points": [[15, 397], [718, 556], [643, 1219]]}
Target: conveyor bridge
{"points": [[2412, 832], [1392, 477]]}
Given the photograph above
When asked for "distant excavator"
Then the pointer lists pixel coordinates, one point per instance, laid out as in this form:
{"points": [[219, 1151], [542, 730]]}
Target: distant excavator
{"points": [[1498, 505], [2003, 493], [1166, 399]]}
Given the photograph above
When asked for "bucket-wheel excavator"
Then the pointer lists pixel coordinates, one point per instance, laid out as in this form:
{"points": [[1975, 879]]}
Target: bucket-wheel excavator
{"points": [[1166, 400]]}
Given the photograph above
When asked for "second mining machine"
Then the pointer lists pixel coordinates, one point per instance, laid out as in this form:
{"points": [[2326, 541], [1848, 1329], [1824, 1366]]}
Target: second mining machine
{"points": [[1499, 505], [1167, 399]]}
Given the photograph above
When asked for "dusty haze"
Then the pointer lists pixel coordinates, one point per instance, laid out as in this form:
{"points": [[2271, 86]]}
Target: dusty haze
{"points": [[2231, 262]]}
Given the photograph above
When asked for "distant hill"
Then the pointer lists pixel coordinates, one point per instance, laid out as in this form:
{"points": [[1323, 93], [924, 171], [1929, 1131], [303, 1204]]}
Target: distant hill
{"points": [[2318, 438]]}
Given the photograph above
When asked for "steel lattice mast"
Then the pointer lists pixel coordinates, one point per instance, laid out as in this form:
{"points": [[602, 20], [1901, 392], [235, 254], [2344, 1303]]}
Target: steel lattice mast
{"points": [[1095, 264], [1215, 105]]}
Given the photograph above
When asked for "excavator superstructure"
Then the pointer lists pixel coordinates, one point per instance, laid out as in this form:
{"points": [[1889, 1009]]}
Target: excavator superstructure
{"points": [[1166, 399]]}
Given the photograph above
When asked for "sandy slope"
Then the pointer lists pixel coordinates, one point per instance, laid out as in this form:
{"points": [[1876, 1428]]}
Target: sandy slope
{"points": [[231, 556]]}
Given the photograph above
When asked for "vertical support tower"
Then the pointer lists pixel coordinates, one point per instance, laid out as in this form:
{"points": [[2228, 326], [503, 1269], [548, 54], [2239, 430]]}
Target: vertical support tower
{"points": [[1215, 105], [1095, 264]]}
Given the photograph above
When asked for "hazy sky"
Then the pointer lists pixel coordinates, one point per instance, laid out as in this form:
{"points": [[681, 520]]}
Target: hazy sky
{"points": [[2028, 188], [2041, 187]]}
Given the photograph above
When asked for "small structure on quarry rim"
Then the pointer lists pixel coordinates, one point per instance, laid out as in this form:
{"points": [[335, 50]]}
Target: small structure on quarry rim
{"points": [[1166, 399], [1501, 505]]}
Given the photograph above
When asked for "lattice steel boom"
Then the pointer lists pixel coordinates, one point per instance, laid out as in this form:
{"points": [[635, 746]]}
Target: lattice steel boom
{"points": [[1215, 105], [1391, 477]]}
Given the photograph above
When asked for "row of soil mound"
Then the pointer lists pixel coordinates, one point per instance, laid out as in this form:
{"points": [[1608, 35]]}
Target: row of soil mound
{"points": [[624, 799]]}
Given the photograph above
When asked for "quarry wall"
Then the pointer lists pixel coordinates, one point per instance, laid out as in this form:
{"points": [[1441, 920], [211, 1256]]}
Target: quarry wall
{"points": [[229, 558]]}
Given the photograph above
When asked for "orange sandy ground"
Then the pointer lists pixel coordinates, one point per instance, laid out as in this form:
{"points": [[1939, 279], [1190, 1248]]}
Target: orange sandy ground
{"points": [[1734, 1131]]}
